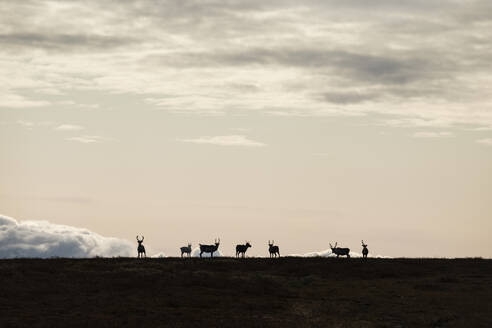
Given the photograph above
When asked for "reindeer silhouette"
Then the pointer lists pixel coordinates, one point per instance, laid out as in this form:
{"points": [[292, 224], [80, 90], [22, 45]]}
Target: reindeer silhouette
{"points": [[209, 248], [241, 249], [273, 250], [186, 250], [365, 251], [340, 251], [141, 248]]}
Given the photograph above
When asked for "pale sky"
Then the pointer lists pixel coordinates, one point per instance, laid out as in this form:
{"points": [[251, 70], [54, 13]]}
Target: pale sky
{"points": [[305, 122]]}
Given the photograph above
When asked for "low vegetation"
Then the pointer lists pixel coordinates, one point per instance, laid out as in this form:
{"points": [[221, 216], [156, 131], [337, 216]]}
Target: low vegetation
{"points": [[227, 292]]}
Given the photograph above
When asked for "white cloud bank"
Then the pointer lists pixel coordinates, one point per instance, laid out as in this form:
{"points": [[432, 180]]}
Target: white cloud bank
{"points": [[328, 253], [233, 140], [196, 253], [44, 239]]}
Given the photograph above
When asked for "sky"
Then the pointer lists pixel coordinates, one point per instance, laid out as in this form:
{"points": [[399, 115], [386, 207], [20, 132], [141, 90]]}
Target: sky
{"points": [[308, 123]]}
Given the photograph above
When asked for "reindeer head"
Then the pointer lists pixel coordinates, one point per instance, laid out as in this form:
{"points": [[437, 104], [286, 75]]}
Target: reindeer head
{"points": [[363, 245], [270, 243], [333, 247], [217, 242], [247, 244], [140, 241], [189, 245]]}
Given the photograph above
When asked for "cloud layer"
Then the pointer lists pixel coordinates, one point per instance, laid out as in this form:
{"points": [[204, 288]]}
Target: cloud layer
{"points": [[44, 239], [352, 57]]}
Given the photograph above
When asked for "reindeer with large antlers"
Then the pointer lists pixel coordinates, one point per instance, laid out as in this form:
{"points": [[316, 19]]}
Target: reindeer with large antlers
{"points": [[340, 251], [209, 248], [273, 250], [141, 248], [241, 249], [365, 251], [186, 250]]}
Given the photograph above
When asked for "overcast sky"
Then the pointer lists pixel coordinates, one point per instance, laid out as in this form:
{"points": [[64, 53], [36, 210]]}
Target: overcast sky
{"points": [[305, 122]]}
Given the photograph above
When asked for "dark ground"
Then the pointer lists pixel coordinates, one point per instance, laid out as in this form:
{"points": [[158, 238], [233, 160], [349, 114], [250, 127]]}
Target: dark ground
{"points": [[225, 292]]}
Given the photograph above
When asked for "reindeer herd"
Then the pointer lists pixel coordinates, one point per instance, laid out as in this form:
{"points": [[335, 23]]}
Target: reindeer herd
{"points": [[242, 248]]}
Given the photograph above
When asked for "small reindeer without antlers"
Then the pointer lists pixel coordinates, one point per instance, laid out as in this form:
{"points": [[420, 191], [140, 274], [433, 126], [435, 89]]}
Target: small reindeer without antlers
{"points": [[273, 250], [241, 249], [141, 248], [186, 250], [365, 251]]}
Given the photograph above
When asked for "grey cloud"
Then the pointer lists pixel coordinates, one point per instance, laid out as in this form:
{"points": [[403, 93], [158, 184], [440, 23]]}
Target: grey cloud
{"points": [[44, 239], [366, 68], [347, 97], [64, 41]]}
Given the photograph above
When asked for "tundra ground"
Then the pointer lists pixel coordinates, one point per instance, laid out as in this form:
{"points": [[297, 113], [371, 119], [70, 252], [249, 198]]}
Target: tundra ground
{"points": [[251, 292]]}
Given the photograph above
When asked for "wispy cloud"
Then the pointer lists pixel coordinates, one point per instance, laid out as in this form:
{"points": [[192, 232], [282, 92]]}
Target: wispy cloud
{"points": [[430, 134], [483, 128], [69, 127], [243, 130], [485, 141], [233, 140], [12, 100], [30, 124], [88, 139]]}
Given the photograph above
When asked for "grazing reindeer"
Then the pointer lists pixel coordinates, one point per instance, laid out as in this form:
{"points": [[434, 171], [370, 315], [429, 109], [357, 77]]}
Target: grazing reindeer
{"points": [[340, 251], [209, 248], [365, 251], [186, 250], [274, 251], [241, 249], [141, 248]]}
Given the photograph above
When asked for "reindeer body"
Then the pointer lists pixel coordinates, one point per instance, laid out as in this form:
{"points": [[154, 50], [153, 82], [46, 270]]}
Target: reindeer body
{"points": [[141, 248], [365, 251], [209, 248], [186, 250], [273, 250], [340, 251], [241, 249]]}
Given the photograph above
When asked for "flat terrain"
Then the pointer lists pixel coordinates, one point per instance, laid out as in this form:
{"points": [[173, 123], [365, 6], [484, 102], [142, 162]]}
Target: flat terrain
{"points": [[225, 292]]}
